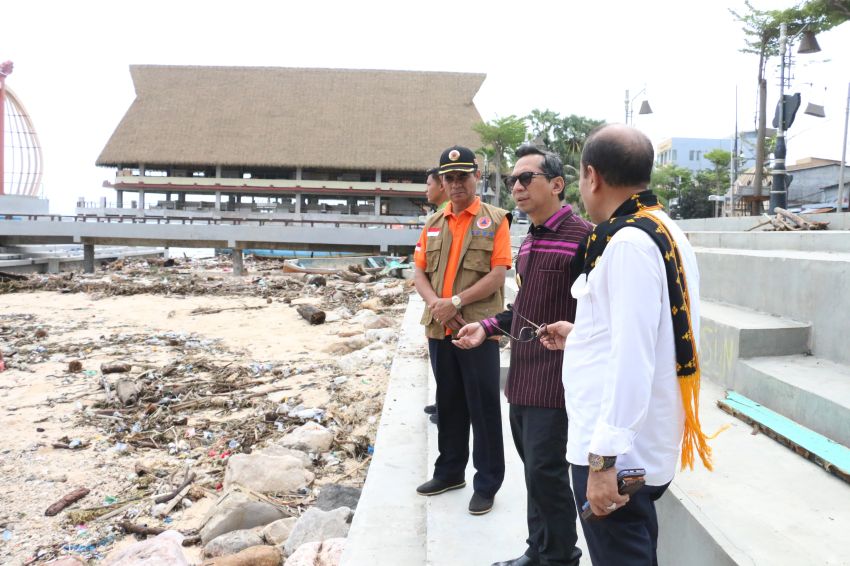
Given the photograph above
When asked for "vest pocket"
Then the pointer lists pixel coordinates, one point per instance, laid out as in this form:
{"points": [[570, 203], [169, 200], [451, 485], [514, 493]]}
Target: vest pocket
{"points": [[432, 255], [477, 257]]}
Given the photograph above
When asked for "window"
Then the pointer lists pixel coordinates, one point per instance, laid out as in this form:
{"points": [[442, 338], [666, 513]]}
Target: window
{"points": [[691, 155], [674, 155]]}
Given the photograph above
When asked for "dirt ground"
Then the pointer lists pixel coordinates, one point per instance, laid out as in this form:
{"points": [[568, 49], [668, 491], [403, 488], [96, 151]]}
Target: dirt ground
{"points": [[217, 373]]}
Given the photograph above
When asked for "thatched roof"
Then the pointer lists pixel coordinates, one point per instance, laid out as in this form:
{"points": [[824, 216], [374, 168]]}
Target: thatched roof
{"points": [[270, 116]]}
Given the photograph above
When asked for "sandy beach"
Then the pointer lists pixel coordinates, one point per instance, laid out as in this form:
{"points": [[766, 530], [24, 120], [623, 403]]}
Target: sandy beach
{"points": [[223, 370]]}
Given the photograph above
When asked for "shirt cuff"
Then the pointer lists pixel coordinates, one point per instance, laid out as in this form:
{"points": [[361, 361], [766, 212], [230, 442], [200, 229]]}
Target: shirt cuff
{"points": [[489, 325], [609, 440]]}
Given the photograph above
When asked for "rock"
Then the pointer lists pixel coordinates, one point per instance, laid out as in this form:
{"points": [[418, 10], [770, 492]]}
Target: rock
{"points": [[236, 511], [335, 496], [317, 280], [165, 548], [276, 450], [232, 542], [316, 525], [384, 335], [254, 556], [267, 473], [379, 322], [310, 437], [373, 304], [361, 359], [276, 533], [391, 291], [325, 553]]}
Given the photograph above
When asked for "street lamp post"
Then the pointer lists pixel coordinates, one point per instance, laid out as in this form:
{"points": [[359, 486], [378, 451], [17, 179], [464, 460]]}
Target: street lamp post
{"points": [[840, 201], [644, 106]]}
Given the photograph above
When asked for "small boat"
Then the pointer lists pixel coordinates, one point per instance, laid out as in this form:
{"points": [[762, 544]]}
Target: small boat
{"points": [[328, 265]]}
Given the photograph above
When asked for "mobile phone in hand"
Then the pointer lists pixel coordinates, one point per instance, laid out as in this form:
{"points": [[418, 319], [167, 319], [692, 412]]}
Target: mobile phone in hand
{"points": [[628, 483]]}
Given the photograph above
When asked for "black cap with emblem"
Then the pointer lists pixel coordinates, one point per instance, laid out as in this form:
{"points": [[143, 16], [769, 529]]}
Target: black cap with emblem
{"points": [[458, 158]]}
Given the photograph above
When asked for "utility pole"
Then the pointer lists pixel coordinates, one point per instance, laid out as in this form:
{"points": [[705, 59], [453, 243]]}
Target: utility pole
{"points": [[843, 154], [778, 192]]}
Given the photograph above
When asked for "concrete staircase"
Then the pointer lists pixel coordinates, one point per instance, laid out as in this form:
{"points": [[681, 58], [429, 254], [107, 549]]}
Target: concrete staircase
{"points": [[774, 329]]}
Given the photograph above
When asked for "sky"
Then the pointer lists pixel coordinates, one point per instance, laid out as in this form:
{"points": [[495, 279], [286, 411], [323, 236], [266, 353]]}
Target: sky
{"points": [[72, 62]]}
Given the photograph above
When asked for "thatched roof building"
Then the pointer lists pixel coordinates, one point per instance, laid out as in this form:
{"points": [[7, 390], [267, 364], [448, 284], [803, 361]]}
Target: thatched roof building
{"points": [[282, 117]]}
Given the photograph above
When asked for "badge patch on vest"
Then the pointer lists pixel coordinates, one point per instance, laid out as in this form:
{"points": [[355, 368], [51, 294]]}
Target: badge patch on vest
{"points": [[484, 222], [485, 233], [433, 232]]}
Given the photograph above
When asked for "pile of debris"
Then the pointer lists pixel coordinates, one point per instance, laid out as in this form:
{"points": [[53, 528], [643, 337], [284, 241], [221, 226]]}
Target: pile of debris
{"points": [[191, 441], [788, 221]]}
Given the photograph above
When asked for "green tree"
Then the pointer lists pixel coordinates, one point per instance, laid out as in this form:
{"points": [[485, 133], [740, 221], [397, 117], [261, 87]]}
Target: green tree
{"points": [[761, 28], [503, 136], [721, 160], [668, 182]]}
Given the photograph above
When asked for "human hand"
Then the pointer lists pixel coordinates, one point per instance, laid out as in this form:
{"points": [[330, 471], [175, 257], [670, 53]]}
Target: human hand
{"points": [[443, 311], [456, 323], [470, 336], [554, 335], [602, 492]]}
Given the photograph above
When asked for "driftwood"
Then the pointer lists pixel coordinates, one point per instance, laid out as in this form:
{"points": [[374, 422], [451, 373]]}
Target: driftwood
{"points": [[67, 500], [153, 531], [169, 496], [312, 314], [804, 224], [116, 367]]}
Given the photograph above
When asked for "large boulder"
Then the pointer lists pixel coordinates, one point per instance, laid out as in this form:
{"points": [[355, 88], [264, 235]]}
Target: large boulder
{"points": [[335, 496], [316, 525], [236, 511], [277, 532], [310, 437], [165, 548], [267, 473], [232, 542], [325, 553], [254, 556], [277, 450]]}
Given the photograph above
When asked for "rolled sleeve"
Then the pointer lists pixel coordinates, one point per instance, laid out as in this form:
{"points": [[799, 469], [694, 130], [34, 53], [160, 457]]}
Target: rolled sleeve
{"points": [[635, 286], [419, 252]]}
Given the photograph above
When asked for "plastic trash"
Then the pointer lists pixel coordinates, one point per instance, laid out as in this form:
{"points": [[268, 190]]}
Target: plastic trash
{"points": [[7, 535], [74, 443]]}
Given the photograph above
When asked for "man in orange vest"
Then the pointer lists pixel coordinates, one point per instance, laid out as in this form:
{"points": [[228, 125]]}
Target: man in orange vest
{"points": [[461, 260]]}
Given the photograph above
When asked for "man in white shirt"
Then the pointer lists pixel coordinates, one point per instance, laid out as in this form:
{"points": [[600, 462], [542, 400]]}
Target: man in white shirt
{"points": [[630, 369]]}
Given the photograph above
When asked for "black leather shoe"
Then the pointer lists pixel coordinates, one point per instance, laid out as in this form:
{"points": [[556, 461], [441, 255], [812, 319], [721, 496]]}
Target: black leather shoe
{"points": [[521, 561], [431, 409], [575, 557], [436, 487], [434, 419], [479, 505]]}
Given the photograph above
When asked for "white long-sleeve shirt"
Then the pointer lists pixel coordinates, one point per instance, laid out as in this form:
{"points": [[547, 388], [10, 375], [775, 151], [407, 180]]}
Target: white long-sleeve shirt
{"points": [[619, 372]]}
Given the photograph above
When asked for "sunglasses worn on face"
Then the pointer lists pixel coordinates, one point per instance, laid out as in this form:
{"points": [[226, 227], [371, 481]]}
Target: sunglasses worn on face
{"points": [[523, 178]]}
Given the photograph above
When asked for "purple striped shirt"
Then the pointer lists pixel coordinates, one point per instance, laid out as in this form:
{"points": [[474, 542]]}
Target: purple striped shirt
{"points": [[549, 260]]}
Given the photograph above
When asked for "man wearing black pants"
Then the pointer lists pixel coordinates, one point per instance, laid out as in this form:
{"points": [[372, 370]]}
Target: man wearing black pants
{"points": [[461, 259], [546, 265]]}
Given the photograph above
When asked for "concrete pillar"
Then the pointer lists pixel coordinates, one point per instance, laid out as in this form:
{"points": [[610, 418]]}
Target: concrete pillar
{"points": [[142, 201], [377, 175], [236, 256], [167, 196], [377, 205], [181, 200], [218, 201], [298, 173], [120, 199], [218, 171], [352, 205], [141, 169], [88, 258], [298, 200], [53, 264]]}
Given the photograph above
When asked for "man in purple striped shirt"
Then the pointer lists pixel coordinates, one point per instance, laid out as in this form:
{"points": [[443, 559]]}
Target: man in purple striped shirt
{"points": [[548, 262]]}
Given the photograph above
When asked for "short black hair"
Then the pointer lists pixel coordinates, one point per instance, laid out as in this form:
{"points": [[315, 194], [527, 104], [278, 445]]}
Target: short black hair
{"points": [[435, 171], [623, 160], [552, 165]]}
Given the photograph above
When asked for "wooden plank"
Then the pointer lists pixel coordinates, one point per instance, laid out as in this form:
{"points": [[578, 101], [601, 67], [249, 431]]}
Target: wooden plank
{"points": [[830, 455]]}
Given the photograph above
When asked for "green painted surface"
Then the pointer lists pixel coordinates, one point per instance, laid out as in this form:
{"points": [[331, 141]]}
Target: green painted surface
{"points": [[829, 450]]}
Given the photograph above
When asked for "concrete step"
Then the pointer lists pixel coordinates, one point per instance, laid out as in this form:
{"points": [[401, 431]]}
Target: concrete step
{"points": [[832, 241], [798, 285], [810, 391], [762, 505]]}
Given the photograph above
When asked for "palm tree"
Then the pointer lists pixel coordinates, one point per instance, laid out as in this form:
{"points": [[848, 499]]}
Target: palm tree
{"points": [[502, 136]]}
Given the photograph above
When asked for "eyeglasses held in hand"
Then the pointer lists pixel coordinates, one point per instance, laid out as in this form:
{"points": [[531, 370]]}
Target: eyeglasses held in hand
{"points": [[526, 333], [523, 178]]}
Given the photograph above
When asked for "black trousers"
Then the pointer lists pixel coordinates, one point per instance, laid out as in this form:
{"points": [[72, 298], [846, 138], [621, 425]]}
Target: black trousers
{"points": [[468, 394], [629, 535], [540, 437]]}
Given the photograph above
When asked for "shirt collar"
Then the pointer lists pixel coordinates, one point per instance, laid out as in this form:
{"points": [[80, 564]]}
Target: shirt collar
{"points": [[472, 209], [554, 221], [442, 206]]}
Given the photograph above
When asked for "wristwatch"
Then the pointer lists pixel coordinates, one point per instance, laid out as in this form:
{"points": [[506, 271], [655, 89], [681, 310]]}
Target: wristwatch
{"points": [[599, 463], [456, 301]]}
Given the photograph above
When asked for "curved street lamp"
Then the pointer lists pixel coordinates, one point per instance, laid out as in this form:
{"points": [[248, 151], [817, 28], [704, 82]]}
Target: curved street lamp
{"points": [[644, 106]]}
